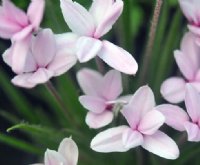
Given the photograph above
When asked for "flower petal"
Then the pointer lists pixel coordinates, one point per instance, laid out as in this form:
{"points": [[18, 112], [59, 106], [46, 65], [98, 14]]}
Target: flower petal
{"points": [[111, 86], [92, 103], [193, 131], [118, 58], [87, 48], [89, 81], [174, 116], [19, 53], [141, 102], [21, 81], [132, 138], [44, 47], [151, 122], [96, 121], [69, 150], [36, 17], [161, 145], [109, 140], [53, 158], [192, 103], [194, 29], [42, 75], [77, 17], [173, 93], [109, 18]]}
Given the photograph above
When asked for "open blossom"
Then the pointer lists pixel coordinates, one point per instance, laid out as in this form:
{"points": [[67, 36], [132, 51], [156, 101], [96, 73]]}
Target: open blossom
{"points": [[101, 95], [19, 26], [144, 121], [93, 24], [67, 154], [178, 119], [190, 9], [48, 56], [188, 61]]}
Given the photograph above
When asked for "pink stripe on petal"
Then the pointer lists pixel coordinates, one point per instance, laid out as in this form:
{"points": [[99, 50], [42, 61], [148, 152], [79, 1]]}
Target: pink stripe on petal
{"points": [[161, 145], [118, 58]]}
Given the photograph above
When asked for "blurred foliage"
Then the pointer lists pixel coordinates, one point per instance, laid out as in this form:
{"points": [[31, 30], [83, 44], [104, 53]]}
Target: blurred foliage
{"points": [[33, 120]]}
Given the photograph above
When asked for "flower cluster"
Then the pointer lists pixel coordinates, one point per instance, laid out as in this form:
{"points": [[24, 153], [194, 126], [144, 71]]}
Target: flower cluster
{"points": [[37, 54]]}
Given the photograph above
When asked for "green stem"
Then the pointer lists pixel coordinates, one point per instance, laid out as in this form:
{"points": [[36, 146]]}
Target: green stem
{"points": [[150, 43]]}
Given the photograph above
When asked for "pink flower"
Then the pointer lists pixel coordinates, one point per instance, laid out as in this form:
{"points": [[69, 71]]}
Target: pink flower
{"points": [[188, 61], [93, 24], [190, 9], [178, 119], [19, 26], [144, 121], [101, 95], [48, 56], [67, 154]]}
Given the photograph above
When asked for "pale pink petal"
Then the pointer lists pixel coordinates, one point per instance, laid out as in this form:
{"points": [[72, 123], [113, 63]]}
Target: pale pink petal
{"points": [[141, 102], [196, 85], [62, 62], [109, 18], [53, 158], [77, 17], [151, 122], [124, 99], [132, 138], [192, 103], [111, 86], [109, 140], [8, 28], [193, 131], [7, 57], [93, 103], [173, 89], [22, 81], [191, 50], [174, 116], [69, 150], [194, 29], [89, 81], [35, 18], [66, 41], [161, 145], [96, 121], [44, 47], [37, 164], [185, 65], [118, 58], [14, 14], [188, 9], [87, 48], [19, 53], [42, 75]]}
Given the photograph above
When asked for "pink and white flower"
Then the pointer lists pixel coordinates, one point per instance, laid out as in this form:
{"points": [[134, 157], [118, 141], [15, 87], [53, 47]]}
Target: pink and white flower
{"points": [[67, 154], [48, 56], [178, 119], [188, 61], [144, 121], [101, 95], [93, 24], [190, 9], [19, 26]]}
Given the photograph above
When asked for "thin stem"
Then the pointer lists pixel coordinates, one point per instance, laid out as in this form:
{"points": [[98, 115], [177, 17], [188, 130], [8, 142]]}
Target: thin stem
{"points": [[59, 100], [150, 43], [100, 65]]}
